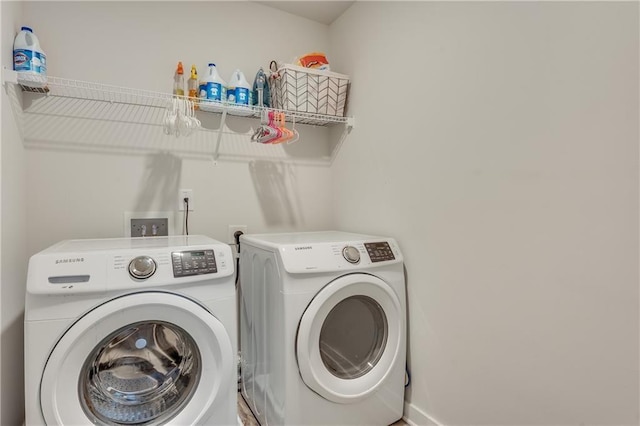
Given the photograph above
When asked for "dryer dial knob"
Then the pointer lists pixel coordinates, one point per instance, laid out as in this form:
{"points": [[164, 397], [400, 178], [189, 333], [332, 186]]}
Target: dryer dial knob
{"points": [[351, 254], [142, 267]]}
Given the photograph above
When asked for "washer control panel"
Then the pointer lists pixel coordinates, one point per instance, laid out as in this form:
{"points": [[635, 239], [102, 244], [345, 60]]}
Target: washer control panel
{"points": [[379, 251], [194, 262]]}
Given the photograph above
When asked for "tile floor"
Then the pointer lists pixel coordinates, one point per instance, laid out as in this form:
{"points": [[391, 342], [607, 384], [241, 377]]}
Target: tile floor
{"points": [[248, 420], [246, 416]]}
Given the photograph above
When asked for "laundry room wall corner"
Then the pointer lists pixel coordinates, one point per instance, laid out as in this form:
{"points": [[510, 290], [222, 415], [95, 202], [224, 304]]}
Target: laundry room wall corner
{"points": [[13, 233]]}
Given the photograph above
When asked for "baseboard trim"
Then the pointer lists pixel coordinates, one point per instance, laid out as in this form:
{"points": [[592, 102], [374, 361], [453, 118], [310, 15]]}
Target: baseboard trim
{"points": [[414, 416]]}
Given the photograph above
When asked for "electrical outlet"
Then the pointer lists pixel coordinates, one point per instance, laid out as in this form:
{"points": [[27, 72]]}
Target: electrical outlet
{"points": [[182, 194], [232, 230]]}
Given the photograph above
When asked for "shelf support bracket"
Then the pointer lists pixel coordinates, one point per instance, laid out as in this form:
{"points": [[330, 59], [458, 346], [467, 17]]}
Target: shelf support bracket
{"points": [[348, 126], [216, 153]]}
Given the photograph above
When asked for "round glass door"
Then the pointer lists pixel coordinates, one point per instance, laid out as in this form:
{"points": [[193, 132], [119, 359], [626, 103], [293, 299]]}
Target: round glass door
{"points": [[140, 359], [351, 351], [143, 372], [349, 338]]}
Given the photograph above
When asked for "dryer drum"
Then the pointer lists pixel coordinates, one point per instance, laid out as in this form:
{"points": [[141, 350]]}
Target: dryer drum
{"points": [[353, 337], [141, 373]]}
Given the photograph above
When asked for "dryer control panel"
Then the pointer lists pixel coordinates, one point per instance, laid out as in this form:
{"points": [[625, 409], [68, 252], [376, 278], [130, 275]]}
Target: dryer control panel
{"points": [[193, 262], [339, 256], [379, 251]]}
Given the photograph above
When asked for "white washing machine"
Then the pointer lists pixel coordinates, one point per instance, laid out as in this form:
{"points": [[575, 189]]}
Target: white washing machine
{"points": [[131, 331], [322, 328]]}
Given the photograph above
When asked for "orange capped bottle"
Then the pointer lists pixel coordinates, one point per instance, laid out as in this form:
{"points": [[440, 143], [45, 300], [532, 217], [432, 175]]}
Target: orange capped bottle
{"points": [[178, 81], [193, 85]]}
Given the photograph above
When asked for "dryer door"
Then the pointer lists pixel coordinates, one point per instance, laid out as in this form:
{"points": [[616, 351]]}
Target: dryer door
{"points": [[349, 338], [138, 359]]}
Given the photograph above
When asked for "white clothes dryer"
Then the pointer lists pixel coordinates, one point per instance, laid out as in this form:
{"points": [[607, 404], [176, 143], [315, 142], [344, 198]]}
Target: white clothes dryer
{"points": [[322, 328], [131, 331]]}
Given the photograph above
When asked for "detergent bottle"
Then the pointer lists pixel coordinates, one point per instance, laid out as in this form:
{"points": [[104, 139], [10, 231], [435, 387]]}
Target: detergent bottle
{"points": [[215, 86], [178, 81], [193, 84], [260, 92], [239, 91], [29, 59], [231, 90]]}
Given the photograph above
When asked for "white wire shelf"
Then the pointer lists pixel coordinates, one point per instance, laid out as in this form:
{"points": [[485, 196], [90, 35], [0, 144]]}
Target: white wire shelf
{"points": [[73, 98], [77, 89]]}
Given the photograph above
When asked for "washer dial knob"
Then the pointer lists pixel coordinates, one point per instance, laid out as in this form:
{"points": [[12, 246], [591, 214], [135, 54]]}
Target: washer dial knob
{"points": [[142, 267], [351, 254]]}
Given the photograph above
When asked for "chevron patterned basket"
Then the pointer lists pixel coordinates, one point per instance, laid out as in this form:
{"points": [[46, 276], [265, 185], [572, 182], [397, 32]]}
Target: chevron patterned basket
{"points": [[299, 89]]}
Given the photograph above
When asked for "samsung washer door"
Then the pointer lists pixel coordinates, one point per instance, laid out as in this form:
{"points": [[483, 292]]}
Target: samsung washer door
{"points": [[145, 358], [349, 338]]}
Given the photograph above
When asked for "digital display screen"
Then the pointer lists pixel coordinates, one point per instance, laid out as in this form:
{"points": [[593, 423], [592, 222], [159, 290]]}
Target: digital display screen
{"points": [[187, 263], [379, 252]]}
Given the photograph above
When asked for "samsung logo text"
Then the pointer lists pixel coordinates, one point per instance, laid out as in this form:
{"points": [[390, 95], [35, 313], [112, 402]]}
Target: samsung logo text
{"points": [[71, 260]]}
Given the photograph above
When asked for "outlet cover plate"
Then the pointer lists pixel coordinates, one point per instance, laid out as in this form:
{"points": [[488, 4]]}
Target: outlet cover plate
{"points": [[182, 194]]}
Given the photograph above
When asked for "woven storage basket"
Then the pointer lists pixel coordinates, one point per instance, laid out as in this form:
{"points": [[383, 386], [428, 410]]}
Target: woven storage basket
{"points": [[301, 89]]}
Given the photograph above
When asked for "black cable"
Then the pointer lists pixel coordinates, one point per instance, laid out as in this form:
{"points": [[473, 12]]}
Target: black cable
{"points": [[408, 378], [186, 215], [236, 236]]}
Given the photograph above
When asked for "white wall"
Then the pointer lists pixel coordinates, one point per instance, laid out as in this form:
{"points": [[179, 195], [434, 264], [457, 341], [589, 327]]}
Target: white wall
{"points": [[498, 142], [13, 253], [86, 172]]}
